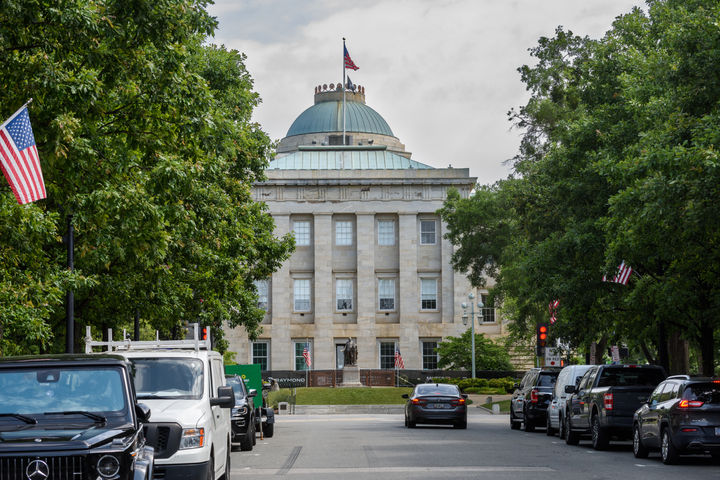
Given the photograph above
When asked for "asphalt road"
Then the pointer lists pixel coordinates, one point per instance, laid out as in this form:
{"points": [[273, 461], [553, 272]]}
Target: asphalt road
{"points": [[349, 447]]}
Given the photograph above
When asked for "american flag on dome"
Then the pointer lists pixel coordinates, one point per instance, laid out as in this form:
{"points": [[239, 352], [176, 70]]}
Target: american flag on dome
{"points": [[398, 359], [19, 158], [553, 310], [622, 275], [348, 61], [306, 355]]}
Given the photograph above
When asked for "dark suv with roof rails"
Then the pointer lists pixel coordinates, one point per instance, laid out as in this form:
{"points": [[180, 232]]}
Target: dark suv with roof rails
{"points": [[71, 417], [531, 398], [681, 416]]}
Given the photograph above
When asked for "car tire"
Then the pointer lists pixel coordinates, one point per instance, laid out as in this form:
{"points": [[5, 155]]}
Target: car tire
{"points": [[639, 450], [563, 427], [461, 425], [600, 437], [268, 430], [246, 441], [549, 431], [668, 452], [528, 425], [571, 437], [514, 424]]}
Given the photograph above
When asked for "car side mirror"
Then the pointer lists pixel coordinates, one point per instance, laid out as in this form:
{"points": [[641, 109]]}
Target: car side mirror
{"points": [[405, 395], [252, 393], [225, 398], [464, 395], [143, 412], [569, 388]]}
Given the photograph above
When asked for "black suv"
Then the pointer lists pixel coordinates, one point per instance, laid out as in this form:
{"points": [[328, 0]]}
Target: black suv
{"points": [[243, 415], [71, 417], [531, 398], [682, 415]]}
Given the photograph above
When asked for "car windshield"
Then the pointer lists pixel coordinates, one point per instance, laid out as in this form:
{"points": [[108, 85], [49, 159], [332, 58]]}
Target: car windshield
{"points": [[547, 379], [62, 389], [704, 392], [612, 377], [436, 390], [180, 378], [237, 385]]}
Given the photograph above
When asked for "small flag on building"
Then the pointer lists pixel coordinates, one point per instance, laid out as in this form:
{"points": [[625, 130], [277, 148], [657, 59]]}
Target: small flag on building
{"points": [[622, 275], [398, 359], [553, 310], [348, 61], [306, 355], [19, 158], [349, 85]]}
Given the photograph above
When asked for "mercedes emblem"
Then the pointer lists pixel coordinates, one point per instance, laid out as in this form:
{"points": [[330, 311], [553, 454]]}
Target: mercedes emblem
{"points": [[37, 470]]}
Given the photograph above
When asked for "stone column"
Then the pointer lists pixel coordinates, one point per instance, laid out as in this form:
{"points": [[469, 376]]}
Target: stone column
{"points": [[280, 308], [409, 290], [324, 293], [366, 290]]}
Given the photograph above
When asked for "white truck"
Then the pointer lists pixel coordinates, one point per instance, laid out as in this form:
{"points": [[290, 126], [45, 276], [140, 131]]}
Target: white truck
{"points": [[183, 383]]}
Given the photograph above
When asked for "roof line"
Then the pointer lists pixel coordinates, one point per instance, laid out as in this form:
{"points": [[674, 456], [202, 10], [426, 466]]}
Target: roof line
{"points": [[341, 147]]}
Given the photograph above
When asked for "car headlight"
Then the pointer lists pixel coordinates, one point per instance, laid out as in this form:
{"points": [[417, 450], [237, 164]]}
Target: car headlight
{"points": [[192, 438], [108, 466], [241, 411]]}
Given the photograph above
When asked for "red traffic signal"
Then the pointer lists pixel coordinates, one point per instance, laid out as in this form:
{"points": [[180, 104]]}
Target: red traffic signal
{"points": [[542, 334]]}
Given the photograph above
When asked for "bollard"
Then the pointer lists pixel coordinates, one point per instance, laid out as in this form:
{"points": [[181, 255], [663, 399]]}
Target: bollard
{"points": [[496, 408]]}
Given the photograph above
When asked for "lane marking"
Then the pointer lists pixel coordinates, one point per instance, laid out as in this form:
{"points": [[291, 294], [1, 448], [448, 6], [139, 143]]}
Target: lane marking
{"points": [[377, 470]]}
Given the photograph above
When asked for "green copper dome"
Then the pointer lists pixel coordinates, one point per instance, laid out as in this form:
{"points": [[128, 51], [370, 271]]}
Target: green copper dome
{"points": [[328, 117]]}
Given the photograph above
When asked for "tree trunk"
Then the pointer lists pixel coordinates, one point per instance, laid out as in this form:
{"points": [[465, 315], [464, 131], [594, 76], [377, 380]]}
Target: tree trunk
{"points": [[679, 358], [707, 347], [648, 356], [663, 357]]}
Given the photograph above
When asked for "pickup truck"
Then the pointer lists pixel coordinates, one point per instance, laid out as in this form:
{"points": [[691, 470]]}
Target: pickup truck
{"points": [[603, 403]]}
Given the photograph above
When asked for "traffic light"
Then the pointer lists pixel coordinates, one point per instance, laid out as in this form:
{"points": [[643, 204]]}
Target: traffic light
{"points": [[542, 333]]}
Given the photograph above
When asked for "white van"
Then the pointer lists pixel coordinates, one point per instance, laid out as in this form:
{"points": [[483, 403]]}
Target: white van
{"points": [[183, 383], [569, 375]]}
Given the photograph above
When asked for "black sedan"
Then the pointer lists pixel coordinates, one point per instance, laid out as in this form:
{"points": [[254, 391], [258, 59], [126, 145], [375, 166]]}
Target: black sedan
{"points": [[682, 416], [436, 403]]}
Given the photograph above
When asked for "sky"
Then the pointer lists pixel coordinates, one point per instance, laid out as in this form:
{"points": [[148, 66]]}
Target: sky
{"points": [[442, 73]]}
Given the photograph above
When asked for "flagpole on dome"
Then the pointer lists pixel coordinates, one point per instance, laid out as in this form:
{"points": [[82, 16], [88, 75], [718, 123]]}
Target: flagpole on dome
{"points": [[343, 87]]}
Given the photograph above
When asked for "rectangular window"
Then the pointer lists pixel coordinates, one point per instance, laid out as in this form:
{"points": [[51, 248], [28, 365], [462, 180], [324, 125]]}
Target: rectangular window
{"points": [[428, 294], [488, 311], [387, 354], [386, 294], [343, 232], [429, 355], [344, 294], [261, 354], [303, 349], [386, 232], [302, 233], [427, 232], [301, 294], [262, 291]]}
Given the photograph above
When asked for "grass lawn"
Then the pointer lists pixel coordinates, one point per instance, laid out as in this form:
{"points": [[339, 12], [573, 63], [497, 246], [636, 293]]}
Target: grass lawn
{"points": [[342, 396], [504, 406]]}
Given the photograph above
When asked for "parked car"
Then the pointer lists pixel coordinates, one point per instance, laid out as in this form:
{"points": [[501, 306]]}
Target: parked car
{"points": [[71, 417], [681, 416], [569, 375], [604, 402], [531, 398], [243, 414], [436, 403]]}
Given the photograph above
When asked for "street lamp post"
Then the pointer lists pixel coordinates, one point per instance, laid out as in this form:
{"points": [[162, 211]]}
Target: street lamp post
{"points": [[480, 305]]}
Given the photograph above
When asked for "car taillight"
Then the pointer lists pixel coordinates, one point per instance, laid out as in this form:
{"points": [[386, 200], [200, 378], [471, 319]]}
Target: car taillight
{"points": [[458, 401], [690, 404], [608, 401], [418, 401], [534, 395], [688, 430]]}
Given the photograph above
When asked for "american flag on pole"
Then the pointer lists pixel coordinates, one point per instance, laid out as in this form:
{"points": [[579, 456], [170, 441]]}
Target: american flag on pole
{"points": [[19, 158], [306, 355], [622, 275], [398, 359], [553, 310], [348, 61]]}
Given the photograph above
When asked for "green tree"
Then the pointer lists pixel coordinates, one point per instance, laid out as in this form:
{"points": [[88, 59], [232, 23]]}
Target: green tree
{"points": [[145, 137], [456, 353]]}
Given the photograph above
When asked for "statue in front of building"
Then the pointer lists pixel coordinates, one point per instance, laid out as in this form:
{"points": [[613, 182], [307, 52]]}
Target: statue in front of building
{"points": [[350, 353]]}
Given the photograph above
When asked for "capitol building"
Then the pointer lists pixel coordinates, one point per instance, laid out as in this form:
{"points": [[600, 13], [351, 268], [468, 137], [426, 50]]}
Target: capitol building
{"points": [[371, 263]]}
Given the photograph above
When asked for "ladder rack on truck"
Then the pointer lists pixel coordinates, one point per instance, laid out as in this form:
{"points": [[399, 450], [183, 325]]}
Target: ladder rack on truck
{"points": [[126, 344]]}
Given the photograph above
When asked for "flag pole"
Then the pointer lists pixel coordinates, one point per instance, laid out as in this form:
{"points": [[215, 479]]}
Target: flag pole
{"points": [[343, 87]]}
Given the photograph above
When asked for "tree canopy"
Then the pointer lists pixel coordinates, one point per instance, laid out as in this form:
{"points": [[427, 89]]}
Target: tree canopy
{"points": [[618, 162], [456, 353], [145, 137]]}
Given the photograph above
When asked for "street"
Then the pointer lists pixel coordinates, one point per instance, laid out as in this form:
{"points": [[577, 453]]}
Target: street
{"points": [[380, 447]]}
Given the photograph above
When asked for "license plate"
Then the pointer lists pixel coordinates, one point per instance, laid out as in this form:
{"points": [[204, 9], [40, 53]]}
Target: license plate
{"points": [[439, 405]]}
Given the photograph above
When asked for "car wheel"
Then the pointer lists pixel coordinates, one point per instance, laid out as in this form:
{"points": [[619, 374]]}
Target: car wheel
{"points": [[268, 430], [563, 427], [406, 420], [461, 425], [528, 425], [600, 437], [246, 441], [514, 424], [549, 431], [571, 437], [667, 450], [639, 450]]}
